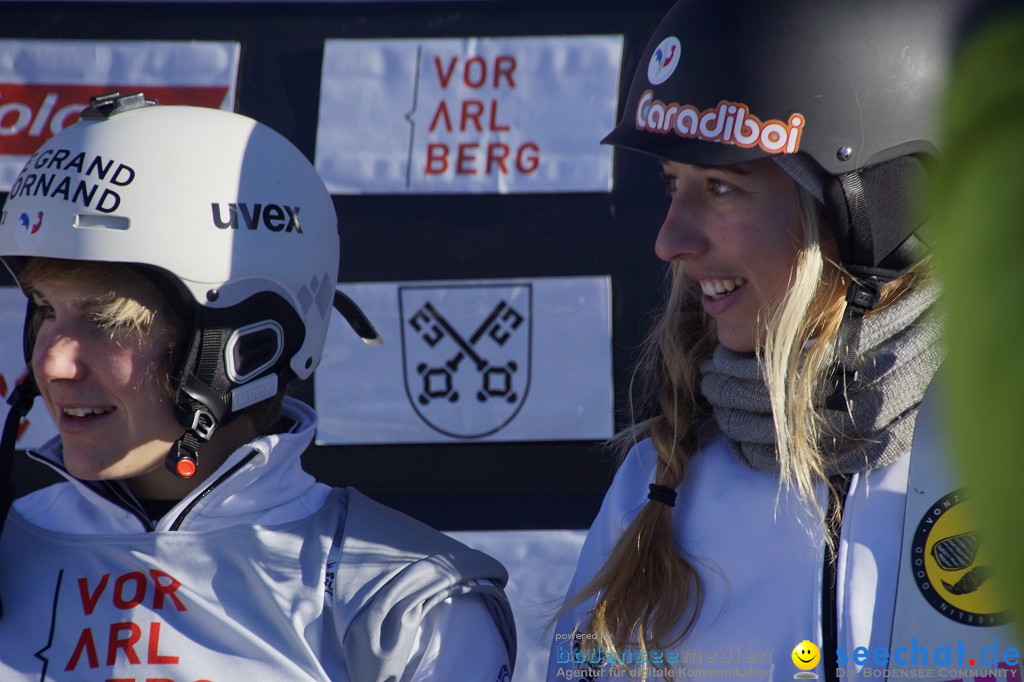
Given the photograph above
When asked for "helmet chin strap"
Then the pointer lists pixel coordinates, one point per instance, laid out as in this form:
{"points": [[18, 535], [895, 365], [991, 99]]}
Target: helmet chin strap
{"points": [[861, 297], [183, 457], [876, 231], [20, 400], [201, 408], [890, 260]]}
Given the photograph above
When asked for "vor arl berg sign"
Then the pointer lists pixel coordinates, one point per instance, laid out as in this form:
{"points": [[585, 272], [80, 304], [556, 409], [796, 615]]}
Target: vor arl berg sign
{"points": [[472, 115]]}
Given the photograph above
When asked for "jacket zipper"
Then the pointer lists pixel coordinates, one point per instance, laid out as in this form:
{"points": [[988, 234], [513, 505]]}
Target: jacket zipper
{"points": [[830, 577], [208, 489], [122, 499]]}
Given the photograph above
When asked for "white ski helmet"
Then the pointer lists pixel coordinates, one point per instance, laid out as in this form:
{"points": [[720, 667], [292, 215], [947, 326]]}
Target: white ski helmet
{"points": [[224, 209]]}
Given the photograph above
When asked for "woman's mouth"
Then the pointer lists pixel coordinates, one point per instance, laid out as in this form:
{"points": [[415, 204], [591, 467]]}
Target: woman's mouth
{"points": [[85, 412], [717, 289]]}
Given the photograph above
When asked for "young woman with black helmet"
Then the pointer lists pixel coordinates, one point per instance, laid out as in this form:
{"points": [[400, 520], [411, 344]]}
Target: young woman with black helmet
{"points": [[759, 514], [181, 267]]}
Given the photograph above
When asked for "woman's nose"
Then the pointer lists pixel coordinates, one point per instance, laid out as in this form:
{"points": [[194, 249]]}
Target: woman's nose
{"points": [[681, 236], [57, 356]]}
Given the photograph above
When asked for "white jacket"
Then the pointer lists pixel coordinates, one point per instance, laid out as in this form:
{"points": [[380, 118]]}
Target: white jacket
{"points": [[760, 560], [914, 595], [260, 574]]}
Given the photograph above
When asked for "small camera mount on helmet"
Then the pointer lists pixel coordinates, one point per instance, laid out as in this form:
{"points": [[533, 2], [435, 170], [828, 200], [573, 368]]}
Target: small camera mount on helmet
{"points": [[105, 106]]}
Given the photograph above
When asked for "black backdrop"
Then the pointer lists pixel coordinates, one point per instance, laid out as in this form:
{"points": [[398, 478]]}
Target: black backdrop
{"points": [[458, 486]]}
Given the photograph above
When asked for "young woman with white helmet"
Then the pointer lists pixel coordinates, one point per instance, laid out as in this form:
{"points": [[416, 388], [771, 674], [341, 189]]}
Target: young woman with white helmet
{"points": [[761, 504], [180, 265]]}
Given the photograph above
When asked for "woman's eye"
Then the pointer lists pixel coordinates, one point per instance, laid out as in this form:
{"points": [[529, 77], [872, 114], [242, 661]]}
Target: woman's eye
{"points": [[718, 188], [714, 187], [671, 185], [44, 311]]}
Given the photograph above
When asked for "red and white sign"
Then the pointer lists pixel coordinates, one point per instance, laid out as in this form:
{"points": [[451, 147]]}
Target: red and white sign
{"points": [[44, 85], [469, 115]]}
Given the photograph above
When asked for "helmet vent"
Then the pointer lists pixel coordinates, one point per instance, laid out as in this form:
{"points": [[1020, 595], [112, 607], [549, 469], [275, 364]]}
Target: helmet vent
{"points": [[89, 221], [253, 349]]}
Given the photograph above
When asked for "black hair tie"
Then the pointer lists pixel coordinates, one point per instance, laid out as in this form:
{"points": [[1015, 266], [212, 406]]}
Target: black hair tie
{"points": [[662, 493]]}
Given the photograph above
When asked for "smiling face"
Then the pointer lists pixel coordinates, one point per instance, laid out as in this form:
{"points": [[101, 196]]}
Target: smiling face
{"points": [[806, 655], [737, 231], [99, 359]]}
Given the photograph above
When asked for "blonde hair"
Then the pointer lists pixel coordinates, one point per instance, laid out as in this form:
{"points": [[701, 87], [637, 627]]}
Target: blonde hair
{"points": [[798, 355], [131, 306], [648, 593], [645, 561], [125, 300], [121, 300]]}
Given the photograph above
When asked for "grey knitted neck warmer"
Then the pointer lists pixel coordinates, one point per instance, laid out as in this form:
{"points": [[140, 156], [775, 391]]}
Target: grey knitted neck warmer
{"points": [[900, 351]]}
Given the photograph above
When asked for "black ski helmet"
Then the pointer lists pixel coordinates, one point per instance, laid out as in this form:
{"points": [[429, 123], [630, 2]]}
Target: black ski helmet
{"points": [[841, 93]]}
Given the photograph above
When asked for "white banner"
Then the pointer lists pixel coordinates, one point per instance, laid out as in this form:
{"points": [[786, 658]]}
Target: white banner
{"points": [[44, 84], [38, 427], [494, 360], [540, 564], [468, 115]]}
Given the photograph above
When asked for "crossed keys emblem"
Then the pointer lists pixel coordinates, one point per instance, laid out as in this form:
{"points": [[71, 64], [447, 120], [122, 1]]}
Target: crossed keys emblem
{"points": [[466, 355], [496, 382]]}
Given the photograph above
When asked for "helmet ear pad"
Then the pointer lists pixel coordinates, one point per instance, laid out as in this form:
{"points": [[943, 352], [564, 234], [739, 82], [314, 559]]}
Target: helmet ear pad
{"points": [[248, 345], [874, 213]]}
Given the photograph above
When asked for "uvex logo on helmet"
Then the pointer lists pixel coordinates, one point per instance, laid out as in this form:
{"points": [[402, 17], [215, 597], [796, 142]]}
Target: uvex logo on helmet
{"points": [[273, 217]]}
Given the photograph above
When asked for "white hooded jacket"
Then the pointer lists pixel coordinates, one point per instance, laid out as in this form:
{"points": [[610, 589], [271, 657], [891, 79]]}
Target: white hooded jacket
{"points": [[759, 556], [261, 573], [767, 579]]}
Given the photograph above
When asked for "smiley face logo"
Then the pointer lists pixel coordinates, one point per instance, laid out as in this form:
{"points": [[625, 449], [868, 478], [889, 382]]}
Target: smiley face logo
{"points": [[806, 655]]}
